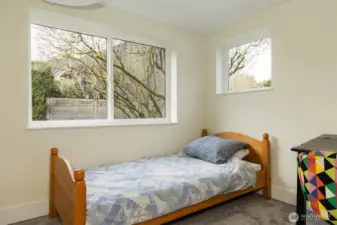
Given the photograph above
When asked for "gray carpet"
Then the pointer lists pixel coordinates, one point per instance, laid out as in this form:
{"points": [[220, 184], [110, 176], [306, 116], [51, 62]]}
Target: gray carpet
{"points": [[248, 210]]}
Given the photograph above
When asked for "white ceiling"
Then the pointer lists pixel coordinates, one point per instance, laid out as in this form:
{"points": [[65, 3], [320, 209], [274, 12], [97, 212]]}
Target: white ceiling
{"points": [[201, 15]]}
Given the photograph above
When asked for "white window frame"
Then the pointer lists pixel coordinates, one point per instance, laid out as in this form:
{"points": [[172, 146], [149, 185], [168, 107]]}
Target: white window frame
{"points": [[59, 21], [222, 78]]}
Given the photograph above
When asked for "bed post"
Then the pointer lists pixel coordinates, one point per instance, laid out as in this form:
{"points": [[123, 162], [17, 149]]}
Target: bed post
{"points": [[80, 195], [204, 133], [267, 167], [52, 208]]}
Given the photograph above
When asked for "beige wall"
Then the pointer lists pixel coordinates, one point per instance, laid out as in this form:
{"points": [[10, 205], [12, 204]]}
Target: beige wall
{"points": [[301, 105], [24, 153], [303, 102]]}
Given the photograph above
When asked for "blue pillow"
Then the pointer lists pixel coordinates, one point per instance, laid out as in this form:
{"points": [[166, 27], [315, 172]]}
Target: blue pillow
{"points": [[214, 149]]}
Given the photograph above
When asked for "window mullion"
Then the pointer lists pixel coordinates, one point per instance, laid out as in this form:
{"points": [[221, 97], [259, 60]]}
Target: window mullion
{"points": [[110, 79]]}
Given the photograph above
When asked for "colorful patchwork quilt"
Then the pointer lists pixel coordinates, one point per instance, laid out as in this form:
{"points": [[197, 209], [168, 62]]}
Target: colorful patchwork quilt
{"points": [[317, 171]]}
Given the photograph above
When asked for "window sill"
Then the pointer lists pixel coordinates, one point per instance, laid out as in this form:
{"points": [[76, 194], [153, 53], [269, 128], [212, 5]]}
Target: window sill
{"points": [[248, 91], [39, 125]]}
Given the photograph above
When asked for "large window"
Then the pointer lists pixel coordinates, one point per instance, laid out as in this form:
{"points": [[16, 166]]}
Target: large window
{"points": [[77, 78], [245, 65]]}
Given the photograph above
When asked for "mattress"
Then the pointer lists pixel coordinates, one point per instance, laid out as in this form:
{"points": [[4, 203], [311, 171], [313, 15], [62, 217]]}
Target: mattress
{"points": [[134, 192]]}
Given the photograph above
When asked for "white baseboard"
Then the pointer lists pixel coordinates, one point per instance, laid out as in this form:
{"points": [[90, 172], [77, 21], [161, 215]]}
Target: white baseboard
{"points": [[284, 195], [23, 212]]}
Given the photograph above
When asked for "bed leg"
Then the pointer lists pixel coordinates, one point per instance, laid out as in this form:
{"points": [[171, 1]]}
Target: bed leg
{"points": [[80, 195], [52, 208], [266, 162], [204, 133], [267, 192]]}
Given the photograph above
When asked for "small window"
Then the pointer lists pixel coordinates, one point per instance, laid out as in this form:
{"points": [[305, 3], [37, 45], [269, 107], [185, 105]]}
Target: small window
{"points": [[80, 79], [246, 65]]}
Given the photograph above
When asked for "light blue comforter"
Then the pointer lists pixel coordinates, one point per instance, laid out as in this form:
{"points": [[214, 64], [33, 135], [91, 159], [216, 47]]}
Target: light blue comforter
{"points": [[134, 192]]}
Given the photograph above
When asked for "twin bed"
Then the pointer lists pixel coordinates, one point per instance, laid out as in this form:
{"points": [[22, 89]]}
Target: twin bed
{"points": [[154, 190]]}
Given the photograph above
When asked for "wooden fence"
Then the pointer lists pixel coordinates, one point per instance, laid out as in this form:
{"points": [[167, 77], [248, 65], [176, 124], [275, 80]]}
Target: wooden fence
{"points": [[76, 109]]}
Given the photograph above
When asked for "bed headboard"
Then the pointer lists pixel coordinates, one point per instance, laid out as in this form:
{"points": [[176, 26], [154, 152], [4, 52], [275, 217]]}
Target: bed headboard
{"points": [[259, 150]]}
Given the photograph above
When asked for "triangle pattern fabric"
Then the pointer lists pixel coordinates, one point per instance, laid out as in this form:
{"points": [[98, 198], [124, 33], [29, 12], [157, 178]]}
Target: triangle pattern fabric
{"points": [[314, 193], [333, 156], [321, 153], [314, 206], [319, 164], [319, 182], [326, 204], [333, 214], [327, 165], [331, 172], [332, 201], [329, 193], [331, 161], [325, 178], [313, 181], [309, 174], [312, 187], [312, 166], [331, 217], [318, 173], [321, 193]]}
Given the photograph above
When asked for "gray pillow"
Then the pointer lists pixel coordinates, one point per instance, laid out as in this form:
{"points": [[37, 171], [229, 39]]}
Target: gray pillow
{"points": [[214, 149]]}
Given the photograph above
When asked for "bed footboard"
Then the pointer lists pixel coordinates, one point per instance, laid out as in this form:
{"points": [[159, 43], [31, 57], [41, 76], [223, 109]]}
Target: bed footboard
{"points": [[67, 194]]}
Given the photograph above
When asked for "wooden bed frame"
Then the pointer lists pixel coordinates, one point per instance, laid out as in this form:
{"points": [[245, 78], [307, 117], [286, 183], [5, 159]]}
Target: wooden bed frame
{"points": [[67, 197]]}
